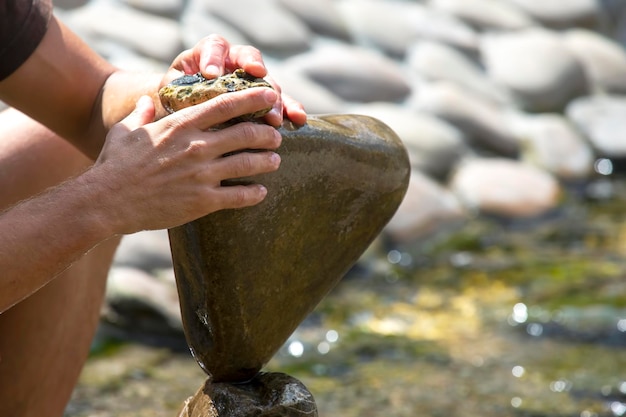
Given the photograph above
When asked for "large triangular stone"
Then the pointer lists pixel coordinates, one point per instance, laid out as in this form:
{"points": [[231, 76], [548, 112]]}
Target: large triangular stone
{"points": [[247, 277]]}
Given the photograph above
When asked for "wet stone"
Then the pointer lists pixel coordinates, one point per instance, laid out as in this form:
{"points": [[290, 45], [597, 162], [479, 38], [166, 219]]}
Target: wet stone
{"points": [[247, 278], [267, 395]]}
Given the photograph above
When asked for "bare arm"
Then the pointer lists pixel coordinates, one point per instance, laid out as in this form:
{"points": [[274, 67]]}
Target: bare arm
{"points": [[149, 174]]}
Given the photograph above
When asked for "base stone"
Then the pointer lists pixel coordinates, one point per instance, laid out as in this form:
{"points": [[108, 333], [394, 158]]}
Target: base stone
{"points": [[266, 395]]}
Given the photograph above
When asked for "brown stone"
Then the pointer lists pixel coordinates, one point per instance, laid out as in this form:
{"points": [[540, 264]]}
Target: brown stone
{"points": [[266, 395], [247, 277]]}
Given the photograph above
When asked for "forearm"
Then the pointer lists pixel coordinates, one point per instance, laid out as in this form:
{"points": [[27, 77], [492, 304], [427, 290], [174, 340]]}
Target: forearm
{"points": [[42, 236], [32, 159], [78, 94]]}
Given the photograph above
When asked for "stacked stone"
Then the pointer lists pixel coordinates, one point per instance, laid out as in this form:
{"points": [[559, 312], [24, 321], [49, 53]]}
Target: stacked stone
{"points": [[501, 103]]}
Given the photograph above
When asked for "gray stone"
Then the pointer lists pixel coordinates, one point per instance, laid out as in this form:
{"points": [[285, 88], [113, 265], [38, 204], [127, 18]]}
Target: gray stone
{"points": [[148, 250], [196, 23], [552, 143], [603, 120], [248, 277], [321, 16], [153, 36], [505, 187], [267, 395], [483, 122], [439, 62], [167, 8], [393, 25], [341, 69], [604, 60], [314, 97], [434, 145], [141, 302], [426, 209], [537, 66], [563, 13], [69, 4], [270, 27], [486, 14]]}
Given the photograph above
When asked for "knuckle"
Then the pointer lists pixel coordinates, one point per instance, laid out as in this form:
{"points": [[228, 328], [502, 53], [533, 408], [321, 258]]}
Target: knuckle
{"points": [[239, 197], [225, 106], [196, 149], [244, 164]]}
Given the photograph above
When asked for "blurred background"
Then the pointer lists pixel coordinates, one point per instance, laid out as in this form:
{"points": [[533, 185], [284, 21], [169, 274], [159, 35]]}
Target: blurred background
{"points": [[498, 289]]}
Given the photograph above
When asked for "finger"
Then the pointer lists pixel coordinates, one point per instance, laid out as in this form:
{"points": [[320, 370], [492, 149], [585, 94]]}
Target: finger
{"points": [[275, 116], [243, 136], [143, 113], [213, 52], [223, 108], [248, 58], [239, 196], [294, 110], [243, 164]]}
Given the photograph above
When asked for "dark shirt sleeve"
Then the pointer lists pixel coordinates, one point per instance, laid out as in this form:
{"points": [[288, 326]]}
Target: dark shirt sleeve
{"points": [[23, 23]]}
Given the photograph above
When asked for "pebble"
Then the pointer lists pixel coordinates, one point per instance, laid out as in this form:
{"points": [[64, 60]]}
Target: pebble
{"points": [[436, 61], [194, 24], [604, 60], [136, 299], [341, 69], [148, 251], [535, 64], [150, 35], [269, 27], [603, 121], [315, 98], [370, 22], [563, 13], [486, 14], [505, 187], [166, 8], [551, 142], [322, 17], [481, 121], [427, 208], [434, 145]]}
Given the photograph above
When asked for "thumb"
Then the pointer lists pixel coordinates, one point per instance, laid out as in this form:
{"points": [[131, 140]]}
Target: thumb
{"points": [[143, 113]]}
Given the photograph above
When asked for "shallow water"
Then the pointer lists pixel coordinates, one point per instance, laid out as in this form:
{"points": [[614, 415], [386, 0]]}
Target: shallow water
{"points": [[495, 319]]}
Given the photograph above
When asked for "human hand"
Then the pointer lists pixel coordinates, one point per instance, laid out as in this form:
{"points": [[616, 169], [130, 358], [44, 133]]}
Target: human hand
{"points": [[214, 56], [165, 173]]}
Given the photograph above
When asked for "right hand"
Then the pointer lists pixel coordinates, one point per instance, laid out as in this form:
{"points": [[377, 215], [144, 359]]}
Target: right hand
{"points": [[165, 173]]}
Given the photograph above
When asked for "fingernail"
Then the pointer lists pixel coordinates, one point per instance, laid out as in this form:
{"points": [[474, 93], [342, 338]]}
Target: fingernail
{"points": [[275, 158], [262, 190], [212, 70], [270, 95]]}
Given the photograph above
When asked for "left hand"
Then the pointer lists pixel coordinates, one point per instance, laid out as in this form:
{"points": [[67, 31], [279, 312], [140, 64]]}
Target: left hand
{"points": [[214, 56]]}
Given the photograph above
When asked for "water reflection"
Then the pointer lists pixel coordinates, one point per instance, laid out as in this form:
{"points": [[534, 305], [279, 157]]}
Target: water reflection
{"points": [[518, 371], [520, 313], [296, 348], [603, 166]]}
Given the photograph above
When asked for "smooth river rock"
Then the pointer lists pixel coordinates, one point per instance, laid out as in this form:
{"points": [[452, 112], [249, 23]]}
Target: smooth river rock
{"points": [[267, 395], [246, 278], [536, 65]]}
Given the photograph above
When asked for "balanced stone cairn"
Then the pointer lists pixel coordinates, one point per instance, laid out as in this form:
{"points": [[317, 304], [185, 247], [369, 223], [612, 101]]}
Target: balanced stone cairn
{"points": [[247, 278]]}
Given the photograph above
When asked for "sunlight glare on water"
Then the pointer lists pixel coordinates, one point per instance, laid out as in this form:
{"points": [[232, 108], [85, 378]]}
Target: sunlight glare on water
{"points": [[520, 313]]}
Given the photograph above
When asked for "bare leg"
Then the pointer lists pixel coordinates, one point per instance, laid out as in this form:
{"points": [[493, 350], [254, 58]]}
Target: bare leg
{"points": [[45, 339]]}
